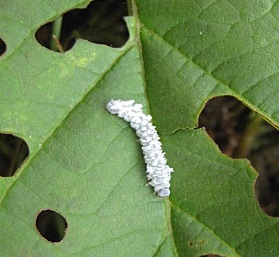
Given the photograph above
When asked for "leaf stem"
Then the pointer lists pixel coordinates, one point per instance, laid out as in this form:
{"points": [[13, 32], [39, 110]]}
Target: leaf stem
{"points": [[130, 7], [56, 32], [58, 44], [249, 135]]}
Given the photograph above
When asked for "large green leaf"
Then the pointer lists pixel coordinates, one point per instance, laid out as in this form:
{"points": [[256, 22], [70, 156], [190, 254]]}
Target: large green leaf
{"points": [[87, 164], [195, 50], [212, 203]]}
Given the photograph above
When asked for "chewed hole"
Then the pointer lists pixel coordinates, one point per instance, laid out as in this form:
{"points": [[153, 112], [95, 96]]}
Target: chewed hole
{"points": [[101, 22], [3, 47], [13, 152], [225, 120], [51, 225], [239, 132]]}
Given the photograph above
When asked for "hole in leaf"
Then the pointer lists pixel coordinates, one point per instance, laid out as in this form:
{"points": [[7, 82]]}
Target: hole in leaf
{"points": [[13, 152], [239, 132], [101, 22], [225, 119], [3, 47], [51, 225]]}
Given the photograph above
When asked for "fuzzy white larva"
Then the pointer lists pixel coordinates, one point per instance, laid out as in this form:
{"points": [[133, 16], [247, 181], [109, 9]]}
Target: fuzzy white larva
{"points": [[158, 172]]}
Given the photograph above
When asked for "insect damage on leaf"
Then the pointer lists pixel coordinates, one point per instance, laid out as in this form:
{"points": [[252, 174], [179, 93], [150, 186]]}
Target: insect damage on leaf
{"points": [[158, 172]]}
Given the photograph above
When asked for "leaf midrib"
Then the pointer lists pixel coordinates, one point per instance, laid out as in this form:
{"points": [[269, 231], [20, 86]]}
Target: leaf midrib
{"points": [[64, 118], [206, 227]]}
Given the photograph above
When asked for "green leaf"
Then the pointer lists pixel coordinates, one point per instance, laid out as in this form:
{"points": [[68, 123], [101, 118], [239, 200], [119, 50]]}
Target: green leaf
{"points": [[87, 165], [196, 50], [213, 209]]}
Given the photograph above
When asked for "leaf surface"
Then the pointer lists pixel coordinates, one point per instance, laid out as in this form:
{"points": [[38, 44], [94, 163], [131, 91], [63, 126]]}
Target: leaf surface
{"points": [[87, 165]]}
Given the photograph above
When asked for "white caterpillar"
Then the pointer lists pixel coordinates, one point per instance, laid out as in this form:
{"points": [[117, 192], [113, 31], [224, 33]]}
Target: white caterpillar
{"points": [[158, 172]]}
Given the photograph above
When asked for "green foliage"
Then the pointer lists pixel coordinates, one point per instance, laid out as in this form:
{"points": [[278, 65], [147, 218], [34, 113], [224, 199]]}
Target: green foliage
{"points": [[87, 165]]}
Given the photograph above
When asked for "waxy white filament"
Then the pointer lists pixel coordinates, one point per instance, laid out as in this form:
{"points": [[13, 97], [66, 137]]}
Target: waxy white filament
{"points": [[158, 172]]}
